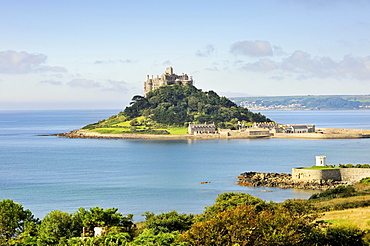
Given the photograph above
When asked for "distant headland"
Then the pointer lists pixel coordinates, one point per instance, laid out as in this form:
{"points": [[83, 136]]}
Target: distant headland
{"points": [[309, 102]]}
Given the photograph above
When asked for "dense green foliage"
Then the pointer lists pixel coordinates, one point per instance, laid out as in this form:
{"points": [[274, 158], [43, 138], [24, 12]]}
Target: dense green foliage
{"points": [[290, 223], [343, 236], [168, 222], [234, 219], [340, 191], [354, 166], [365, 180], [227, 201], [176, 105], [14, 219]]}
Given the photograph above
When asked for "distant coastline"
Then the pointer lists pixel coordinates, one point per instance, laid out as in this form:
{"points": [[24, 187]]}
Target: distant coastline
{"points": [[323, 133], [309, 102]]}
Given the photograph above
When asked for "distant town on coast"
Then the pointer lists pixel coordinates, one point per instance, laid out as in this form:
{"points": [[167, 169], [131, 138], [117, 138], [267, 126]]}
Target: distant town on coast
{"points": [[309, 102]]}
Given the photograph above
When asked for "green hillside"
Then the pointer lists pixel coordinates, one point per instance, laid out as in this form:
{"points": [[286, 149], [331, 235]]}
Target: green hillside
{"points": [[169, 109]]}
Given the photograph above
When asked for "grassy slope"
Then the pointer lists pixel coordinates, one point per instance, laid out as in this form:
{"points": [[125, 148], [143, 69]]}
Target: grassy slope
{"points": [[358, 216], [119, 125]]}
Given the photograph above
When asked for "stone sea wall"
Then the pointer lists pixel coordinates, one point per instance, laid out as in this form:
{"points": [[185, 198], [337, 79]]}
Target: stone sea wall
{"points": [[337, 174], [285, 180]]}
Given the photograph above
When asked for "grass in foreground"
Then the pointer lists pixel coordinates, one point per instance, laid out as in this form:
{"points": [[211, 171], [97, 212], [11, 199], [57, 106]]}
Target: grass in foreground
{"points": [[352, 217]]}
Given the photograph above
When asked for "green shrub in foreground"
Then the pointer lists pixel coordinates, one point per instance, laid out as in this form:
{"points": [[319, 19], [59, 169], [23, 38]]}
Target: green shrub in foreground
{"points": [[365, 180], [340, 191]]}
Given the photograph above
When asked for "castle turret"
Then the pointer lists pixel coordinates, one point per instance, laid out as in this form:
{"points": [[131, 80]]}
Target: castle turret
{"points": [[169, 70], [320, 160]]}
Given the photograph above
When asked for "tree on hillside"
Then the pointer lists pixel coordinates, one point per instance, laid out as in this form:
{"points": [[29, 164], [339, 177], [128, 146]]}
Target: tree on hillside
{"points": [[56, 225], [13, 219], [99, 217], [227, 201], [168, 222], [176, 105]]}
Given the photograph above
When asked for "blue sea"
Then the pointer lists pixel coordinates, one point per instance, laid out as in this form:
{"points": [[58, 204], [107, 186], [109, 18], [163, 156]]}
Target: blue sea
{"points": [[45, 173]]}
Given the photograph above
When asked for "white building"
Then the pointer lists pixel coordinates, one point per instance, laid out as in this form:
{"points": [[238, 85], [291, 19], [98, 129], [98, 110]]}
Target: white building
{"points": [[321, 160]]}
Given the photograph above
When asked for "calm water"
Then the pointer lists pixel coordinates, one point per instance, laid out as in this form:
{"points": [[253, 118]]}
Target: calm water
{"points": [[46, 173]]}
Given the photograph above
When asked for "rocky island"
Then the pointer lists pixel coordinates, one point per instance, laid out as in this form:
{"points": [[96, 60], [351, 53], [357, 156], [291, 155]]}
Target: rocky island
{"points": [[173, 108]]}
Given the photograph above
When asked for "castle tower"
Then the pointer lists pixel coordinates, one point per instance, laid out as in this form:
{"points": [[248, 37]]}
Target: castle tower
{"points": [[320, 160], [169, 70]]}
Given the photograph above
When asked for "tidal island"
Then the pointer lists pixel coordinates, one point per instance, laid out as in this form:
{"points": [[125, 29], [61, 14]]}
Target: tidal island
{"points": [[173, 108]]}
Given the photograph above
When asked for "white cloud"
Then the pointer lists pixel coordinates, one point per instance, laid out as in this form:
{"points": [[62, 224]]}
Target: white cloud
{"points": [[118, 86], [13, 62], [278, 51], [252, 48], [325, 67], [108, 85], [167, 63], [209, 50], [212, 69], [127, 61], [84, 83], [261, 65], [305, 66], [357, 67], [51, 82]]}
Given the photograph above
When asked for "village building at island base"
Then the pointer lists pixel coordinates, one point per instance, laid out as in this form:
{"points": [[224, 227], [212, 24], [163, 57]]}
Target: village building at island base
{"points": [[194, 129], [265, 129]]}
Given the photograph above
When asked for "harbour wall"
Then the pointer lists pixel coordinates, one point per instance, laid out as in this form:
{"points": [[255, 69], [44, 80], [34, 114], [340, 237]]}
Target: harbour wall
{"points": [[336, 174]]}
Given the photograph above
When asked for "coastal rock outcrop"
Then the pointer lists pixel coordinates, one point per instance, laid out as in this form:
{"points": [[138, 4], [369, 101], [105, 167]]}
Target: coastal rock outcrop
{"points": [[284, 181]]}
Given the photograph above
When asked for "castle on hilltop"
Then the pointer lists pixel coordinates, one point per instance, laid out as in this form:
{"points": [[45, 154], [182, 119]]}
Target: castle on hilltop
{"points": [[167, 78]]}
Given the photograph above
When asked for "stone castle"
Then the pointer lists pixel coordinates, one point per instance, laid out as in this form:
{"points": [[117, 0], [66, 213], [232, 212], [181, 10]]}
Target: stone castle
{"points": [[167, 78]]}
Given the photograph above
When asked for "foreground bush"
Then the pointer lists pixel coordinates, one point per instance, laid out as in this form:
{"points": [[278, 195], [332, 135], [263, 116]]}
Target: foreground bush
{"points": [[340, 191], [289, 223], [344, 235], [168, 222], [234, 219]]}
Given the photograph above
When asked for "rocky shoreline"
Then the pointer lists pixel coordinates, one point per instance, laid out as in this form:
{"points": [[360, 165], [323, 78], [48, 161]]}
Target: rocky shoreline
{"points": [[284, 181], [325, 133], [96, 135]]}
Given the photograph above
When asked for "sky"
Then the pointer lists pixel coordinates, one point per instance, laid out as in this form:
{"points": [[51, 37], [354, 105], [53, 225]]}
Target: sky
{"points": [[97, 54]]}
